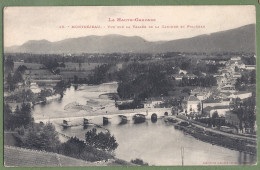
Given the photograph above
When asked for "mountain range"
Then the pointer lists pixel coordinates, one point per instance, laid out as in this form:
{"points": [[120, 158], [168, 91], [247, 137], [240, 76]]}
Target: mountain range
{"points": [[240, 39]]}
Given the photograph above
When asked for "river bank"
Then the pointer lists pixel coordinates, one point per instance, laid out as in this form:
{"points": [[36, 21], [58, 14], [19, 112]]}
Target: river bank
{"points": [[234, 143]]}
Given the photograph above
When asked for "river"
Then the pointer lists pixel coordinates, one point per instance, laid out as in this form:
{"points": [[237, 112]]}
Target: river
{"points": [[155, 143]]}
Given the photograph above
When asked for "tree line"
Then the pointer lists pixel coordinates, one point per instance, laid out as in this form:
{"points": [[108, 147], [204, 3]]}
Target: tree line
{"points": [[246, 79], [143, 81], [245, 111]]}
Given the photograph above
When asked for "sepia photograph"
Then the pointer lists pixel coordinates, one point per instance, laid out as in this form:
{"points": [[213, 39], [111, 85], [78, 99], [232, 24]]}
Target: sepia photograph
{"points": [[129, 86]]}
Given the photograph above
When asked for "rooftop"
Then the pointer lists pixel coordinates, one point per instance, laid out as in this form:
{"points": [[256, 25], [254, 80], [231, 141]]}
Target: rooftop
{"points": [[228, 86], [242, 92]]}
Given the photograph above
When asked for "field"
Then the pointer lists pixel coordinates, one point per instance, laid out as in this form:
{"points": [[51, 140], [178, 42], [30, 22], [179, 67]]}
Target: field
{"points": [[37, 72], [66, 75], [30, 66], [79, 66]]}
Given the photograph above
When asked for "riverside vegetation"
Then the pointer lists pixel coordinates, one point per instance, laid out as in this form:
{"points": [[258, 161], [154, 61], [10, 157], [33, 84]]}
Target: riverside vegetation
{"points": [[39, 136]]}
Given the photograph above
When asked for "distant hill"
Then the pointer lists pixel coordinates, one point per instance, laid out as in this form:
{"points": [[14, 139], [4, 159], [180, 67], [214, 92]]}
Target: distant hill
{"points": [[240, 39]]}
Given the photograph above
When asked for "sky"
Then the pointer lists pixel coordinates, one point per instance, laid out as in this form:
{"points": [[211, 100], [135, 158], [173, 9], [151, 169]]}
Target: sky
{"points": [[36, 23]]}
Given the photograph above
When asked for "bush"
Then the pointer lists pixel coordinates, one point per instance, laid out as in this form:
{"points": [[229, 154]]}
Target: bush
{"points": [[21, 117], [42, 137], [103, 141], [78, 149], [186, 90], [139, 162]]}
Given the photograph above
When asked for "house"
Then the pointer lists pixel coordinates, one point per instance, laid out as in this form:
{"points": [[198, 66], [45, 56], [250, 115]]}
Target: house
{"points": [[241, 95], [20, 85], [226, 73], [235, 58], [35, 88], [121, 102], [222, 62], [183, 72], [201, 93], [228, 88], [193, 105], [148, 104], [177, 76], [237, 63], [53, 97], [250, 67], [156, 103], [232, 81], [202, 96], [151, 104], [204, 74], [237, 75], [218, 75], [217, 103], [222, 81], [191, 76], [240, 64], [212, 62]]}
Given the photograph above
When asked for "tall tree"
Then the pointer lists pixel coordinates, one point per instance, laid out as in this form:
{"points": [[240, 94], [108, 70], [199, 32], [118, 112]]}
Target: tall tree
{"points": [[253, 77], [25, 114], [104, 141], [199, 107], [10, 82], [60, 88], [8, 118], [17, 77], [8, 65], [42, 138], [246, 112]]}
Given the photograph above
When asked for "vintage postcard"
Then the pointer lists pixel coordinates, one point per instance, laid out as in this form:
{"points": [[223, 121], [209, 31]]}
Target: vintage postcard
{"points": [[130, 86]]}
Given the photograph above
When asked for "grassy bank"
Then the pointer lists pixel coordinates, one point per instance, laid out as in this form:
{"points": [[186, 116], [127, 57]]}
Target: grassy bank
{"points": [[242, 145]]}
